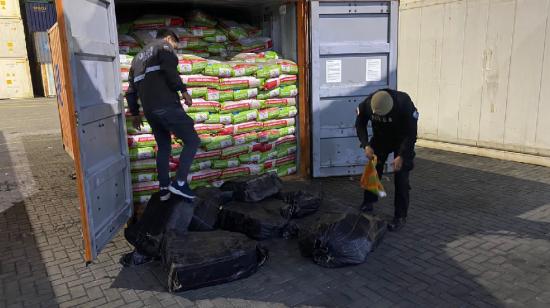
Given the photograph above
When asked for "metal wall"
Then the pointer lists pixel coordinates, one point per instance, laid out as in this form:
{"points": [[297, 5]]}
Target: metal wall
{"points": [[478, 71], [354, 53]]}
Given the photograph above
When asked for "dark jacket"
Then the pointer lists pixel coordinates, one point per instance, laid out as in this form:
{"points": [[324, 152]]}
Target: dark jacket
{"points": [[394, 132], [154, 78]]}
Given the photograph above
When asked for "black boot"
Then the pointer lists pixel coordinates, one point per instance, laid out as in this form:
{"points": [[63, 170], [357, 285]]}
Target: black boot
{"points": [[367, 207], [397, 224]]}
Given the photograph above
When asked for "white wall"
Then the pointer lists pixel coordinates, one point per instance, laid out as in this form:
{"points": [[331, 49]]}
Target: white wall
{"points": [[478, 71]]}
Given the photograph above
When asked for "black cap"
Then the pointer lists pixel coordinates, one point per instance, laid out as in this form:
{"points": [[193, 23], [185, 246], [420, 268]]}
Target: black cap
{"points": [[162, 33]]}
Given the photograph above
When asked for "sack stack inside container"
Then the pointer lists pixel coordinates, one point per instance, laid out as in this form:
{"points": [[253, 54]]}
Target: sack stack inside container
{"points": [[244, 102]]}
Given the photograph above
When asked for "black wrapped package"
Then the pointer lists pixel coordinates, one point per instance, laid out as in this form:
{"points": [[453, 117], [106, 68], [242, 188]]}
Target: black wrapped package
{"points": [[207, 208], [299, 203], [147, 234], [343, 240], [259, 221], [201, 259], [254, 188]]}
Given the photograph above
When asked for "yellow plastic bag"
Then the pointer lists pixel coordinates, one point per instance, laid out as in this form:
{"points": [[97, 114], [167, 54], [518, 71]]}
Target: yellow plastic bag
{"points": [[370, 180]]}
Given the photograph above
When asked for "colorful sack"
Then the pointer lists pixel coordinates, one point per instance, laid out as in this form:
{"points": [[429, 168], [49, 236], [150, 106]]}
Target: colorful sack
{"points": [[218, 69], [265, 95], [235, 151], [190, 64], [201, 165], [204, 175], [253, 157], [128, 45], [244, 69], [227, 163], [199, 93], [229, 107], [279, 102], [268, 135], [198, 117], [152, 22], [203, 19], [192, 43], [217, 118], [218, 37], [271, 124], [287, 112], [289, 91], [286, 170], [234, 172], [237, 83], [202, 31], [245, 138], [245, 94], [370, 180], [141, 153], [144, 140], [245, 116], [210, 155], [145, 164], [246, 127], [208, 128], [288, 67], [200, 81], [200, 105], [131, 130], [268, 114], [287, 80], [219, 142], [268, 71]]}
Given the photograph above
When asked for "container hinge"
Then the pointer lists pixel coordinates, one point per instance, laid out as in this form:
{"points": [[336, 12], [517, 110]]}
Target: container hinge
{"points": [[76, 117]]}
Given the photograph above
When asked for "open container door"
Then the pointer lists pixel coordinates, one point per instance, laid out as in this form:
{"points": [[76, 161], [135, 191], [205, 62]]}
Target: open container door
{"points": [[353, 53], [88, 47]]}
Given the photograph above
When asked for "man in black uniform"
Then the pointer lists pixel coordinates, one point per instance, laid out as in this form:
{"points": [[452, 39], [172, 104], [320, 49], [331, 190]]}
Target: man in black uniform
{"points": [[394, 124], [154, 78]]}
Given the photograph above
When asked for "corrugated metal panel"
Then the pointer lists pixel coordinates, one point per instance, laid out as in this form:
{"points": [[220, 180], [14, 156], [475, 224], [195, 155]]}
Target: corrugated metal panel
{"points": [[10, 9], [478, 71], [42, 47], [354, 53], [12, 38], [60, 81], [40, 16], [48, 80], [15, 78]]}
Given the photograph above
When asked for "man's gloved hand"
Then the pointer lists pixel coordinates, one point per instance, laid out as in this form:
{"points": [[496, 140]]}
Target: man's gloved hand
{"points": [[137, 122], [369, 152], [187, 98]]}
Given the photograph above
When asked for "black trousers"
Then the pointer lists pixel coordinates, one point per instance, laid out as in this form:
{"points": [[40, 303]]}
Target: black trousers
{"points": [[401, 183], [169, 120]]}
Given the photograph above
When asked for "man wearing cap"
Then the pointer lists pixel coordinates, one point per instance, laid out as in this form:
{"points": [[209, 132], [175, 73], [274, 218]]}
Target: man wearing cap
{"points": [[154, 78], [394, 121]]}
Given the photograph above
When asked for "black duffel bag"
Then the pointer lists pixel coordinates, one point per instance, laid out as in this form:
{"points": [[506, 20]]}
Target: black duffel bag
{"points": [[254, 188]]}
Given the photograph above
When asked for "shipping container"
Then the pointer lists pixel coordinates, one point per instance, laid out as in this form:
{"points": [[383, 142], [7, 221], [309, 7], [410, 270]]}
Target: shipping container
{"points": [[15, 78], [345, 50], [40, 16], [48, 80], [12, 40], [10, 9], [42, 47], [479, 72]]}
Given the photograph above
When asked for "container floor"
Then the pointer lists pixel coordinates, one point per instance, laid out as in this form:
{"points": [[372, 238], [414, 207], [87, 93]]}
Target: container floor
{"points": [[477, 235]]}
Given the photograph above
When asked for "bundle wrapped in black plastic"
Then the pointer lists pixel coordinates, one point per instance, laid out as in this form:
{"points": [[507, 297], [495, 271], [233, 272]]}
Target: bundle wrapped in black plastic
{"points": [[259, 221], [201, 259], [254, 188], [343, 240], [207, 208], [299, 203], [147, 234]]}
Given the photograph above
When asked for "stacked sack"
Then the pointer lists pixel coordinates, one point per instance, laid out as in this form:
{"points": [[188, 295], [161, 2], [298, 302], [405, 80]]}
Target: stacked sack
{"points": [[244, 112], [244, 108], [203, 35]]}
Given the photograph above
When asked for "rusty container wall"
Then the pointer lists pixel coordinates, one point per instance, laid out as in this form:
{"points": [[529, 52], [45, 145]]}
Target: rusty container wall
{"points": [[60, 81]]}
